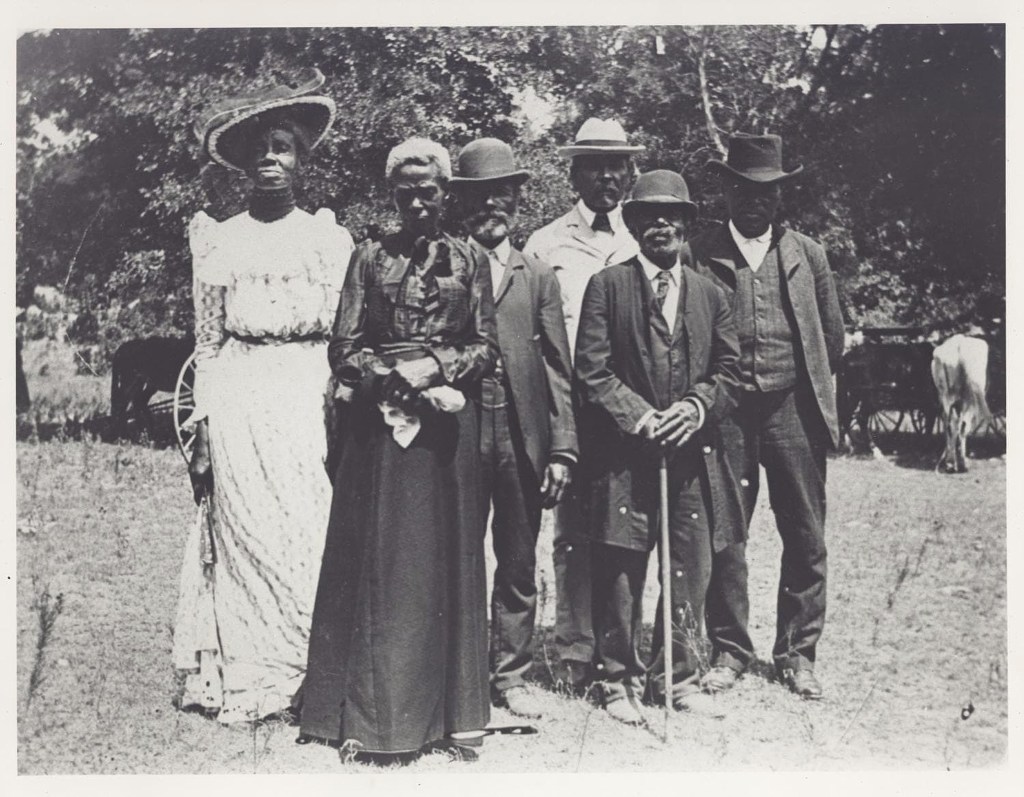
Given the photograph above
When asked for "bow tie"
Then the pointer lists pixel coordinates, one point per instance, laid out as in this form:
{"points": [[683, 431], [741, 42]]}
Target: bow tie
{"points": [[601, 223]]}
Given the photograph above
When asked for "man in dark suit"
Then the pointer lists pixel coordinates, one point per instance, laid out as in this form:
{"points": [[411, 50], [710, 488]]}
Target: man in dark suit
{"points": [[791, 339], [656, 360], [528, 433]]}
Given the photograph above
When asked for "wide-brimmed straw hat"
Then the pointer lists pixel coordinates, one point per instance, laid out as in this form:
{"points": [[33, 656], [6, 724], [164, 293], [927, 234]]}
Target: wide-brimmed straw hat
{"points": [[600, 137], [659, 187], [755, 158], [485, 160], [221, 129]]}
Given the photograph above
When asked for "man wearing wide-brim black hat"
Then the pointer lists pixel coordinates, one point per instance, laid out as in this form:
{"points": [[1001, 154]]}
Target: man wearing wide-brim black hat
{"points": [[656, 364], [791, 338]]}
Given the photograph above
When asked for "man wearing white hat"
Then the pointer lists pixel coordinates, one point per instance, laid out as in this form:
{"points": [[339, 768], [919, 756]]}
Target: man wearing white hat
{"points": [[577, 245]]}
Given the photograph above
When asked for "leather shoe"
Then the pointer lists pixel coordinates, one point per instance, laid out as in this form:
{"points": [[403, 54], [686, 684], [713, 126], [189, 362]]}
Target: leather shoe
{"points": [[719, 678], [521, 702], [625, 711], [802, 682]]}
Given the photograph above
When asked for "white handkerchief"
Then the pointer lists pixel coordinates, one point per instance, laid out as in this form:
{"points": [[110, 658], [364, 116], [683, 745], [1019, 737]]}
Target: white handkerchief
{"points": [[406, 427]]}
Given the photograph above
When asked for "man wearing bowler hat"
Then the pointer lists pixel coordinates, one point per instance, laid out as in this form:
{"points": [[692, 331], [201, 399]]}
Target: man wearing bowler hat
{"points": [[528, 433], [791, 338], [578, 244], [656, 364]]}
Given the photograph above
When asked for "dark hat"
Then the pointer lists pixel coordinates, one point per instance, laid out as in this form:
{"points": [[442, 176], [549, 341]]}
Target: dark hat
{"points": [[659, 187], [755, 158], [487, 159], [600, 137], [222, 125]]}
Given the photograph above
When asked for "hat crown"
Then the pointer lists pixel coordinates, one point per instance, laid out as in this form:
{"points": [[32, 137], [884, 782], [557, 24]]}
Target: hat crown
{"points": [[661, 186], [755, 153], [601, 130], [223, 110], [486, 158]]}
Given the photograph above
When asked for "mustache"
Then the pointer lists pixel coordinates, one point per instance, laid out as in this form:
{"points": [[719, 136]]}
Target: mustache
{"points": [[490, 215]]}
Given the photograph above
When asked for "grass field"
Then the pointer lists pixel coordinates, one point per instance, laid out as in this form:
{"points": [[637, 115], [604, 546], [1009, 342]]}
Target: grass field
{"points": [[913, 659]]}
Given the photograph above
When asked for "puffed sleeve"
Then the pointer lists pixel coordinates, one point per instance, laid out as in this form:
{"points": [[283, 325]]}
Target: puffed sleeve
{"points": [[350, 361], [209, 281], [335, 252]]}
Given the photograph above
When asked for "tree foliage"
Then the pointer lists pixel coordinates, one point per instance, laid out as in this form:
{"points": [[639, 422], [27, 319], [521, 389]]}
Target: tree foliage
{"points": [[901, 129]]}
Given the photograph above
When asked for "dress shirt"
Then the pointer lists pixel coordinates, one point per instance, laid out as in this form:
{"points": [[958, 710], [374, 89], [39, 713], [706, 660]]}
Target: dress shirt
{"points": [[668, 311], [614, 218], [498, 259], [675, 274], [752, 249]]}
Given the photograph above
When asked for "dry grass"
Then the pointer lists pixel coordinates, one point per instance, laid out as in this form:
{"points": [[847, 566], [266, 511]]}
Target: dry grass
{"points": [[916, 632]]}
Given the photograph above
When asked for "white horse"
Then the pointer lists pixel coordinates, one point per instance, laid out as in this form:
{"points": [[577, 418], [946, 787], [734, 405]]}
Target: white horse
{"points": [[959, 370]]}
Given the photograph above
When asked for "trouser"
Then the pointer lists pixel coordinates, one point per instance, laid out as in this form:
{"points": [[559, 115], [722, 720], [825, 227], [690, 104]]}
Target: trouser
{"points": [[574, 632], [619, 576], [783, 431], [511, 488]]}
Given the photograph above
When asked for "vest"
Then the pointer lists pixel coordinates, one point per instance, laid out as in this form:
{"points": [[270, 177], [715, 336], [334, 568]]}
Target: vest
{"points": [[765, 326], [670, 365]]}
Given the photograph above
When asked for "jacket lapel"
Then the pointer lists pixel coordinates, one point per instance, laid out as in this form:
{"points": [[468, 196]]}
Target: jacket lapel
{"points": [[682, 306], [790, 254], [515, 263], [642, 314], [722, 253]]}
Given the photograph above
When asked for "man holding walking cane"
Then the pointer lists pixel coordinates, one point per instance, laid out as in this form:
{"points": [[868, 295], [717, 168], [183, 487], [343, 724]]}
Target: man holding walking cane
{"points": [[657, 364]]}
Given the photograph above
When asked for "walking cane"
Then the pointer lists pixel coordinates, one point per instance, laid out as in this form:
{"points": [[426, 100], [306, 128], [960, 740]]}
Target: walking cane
{"points": [[666, 587]]}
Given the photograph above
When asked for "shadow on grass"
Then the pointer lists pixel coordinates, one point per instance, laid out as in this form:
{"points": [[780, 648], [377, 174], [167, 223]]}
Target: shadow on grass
{"points": [[922, 452]]}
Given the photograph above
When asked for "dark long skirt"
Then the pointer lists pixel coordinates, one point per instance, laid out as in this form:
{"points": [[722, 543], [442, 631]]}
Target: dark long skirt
{"points": [[398, 648]]}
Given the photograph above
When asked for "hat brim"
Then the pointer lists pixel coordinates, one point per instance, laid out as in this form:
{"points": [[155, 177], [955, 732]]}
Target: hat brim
{"points": [[315, 114], [755, 176], [519, 177], [573, 150]]}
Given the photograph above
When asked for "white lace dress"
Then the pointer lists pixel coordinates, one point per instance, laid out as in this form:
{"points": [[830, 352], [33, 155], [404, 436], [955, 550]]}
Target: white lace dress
{"points": [[265, 295]]}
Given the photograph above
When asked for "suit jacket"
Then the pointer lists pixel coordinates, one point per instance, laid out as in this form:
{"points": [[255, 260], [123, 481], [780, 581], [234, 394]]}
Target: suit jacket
{"points": [[576, 253], [809, 289], [613, 372], [535, 355]]}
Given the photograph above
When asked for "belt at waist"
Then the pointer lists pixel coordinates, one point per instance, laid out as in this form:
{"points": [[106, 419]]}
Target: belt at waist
{"points": [[271, 340]]}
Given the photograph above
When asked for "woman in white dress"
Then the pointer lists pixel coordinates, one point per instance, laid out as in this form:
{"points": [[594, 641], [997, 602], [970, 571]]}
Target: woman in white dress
{"points": [[266, 286]]}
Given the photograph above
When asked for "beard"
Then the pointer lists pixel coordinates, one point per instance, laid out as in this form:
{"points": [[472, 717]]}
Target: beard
{"points": [[659, 241], [489, 227]]}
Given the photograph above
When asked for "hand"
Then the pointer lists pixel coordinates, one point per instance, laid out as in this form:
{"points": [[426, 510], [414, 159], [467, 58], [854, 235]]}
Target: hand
{"points": [[200, 470], [396, 391], [649, 430], [557, 478], [420, 374], [677, 424]]}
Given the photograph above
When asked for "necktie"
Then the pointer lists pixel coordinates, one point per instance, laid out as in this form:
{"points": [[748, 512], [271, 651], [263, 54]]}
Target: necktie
{"points": [[661, 291], [601, 223]]}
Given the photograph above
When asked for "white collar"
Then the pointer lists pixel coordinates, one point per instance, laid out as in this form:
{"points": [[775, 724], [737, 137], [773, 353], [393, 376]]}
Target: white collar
{"points": [[503, 250], [651, 270], [742, 240], [614, 215]]}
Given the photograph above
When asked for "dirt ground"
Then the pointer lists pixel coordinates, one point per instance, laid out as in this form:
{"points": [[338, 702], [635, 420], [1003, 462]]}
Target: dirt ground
{"points": [[913, 659]]}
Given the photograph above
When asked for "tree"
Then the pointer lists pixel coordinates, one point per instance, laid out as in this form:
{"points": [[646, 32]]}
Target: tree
{"points": [[901, 127]]}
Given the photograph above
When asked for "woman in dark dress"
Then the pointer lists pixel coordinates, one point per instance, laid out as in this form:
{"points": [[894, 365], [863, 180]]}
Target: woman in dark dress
{"points": [[398, 650]]}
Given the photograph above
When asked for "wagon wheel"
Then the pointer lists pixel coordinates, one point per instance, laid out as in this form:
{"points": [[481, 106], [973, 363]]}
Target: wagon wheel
{"points": [[919, 421], [184, 406], [885, 421]]}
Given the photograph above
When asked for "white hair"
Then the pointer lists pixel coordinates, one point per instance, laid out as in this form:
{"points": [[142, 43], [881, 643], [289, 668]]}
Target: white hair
{"points": [[421, 151]]}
